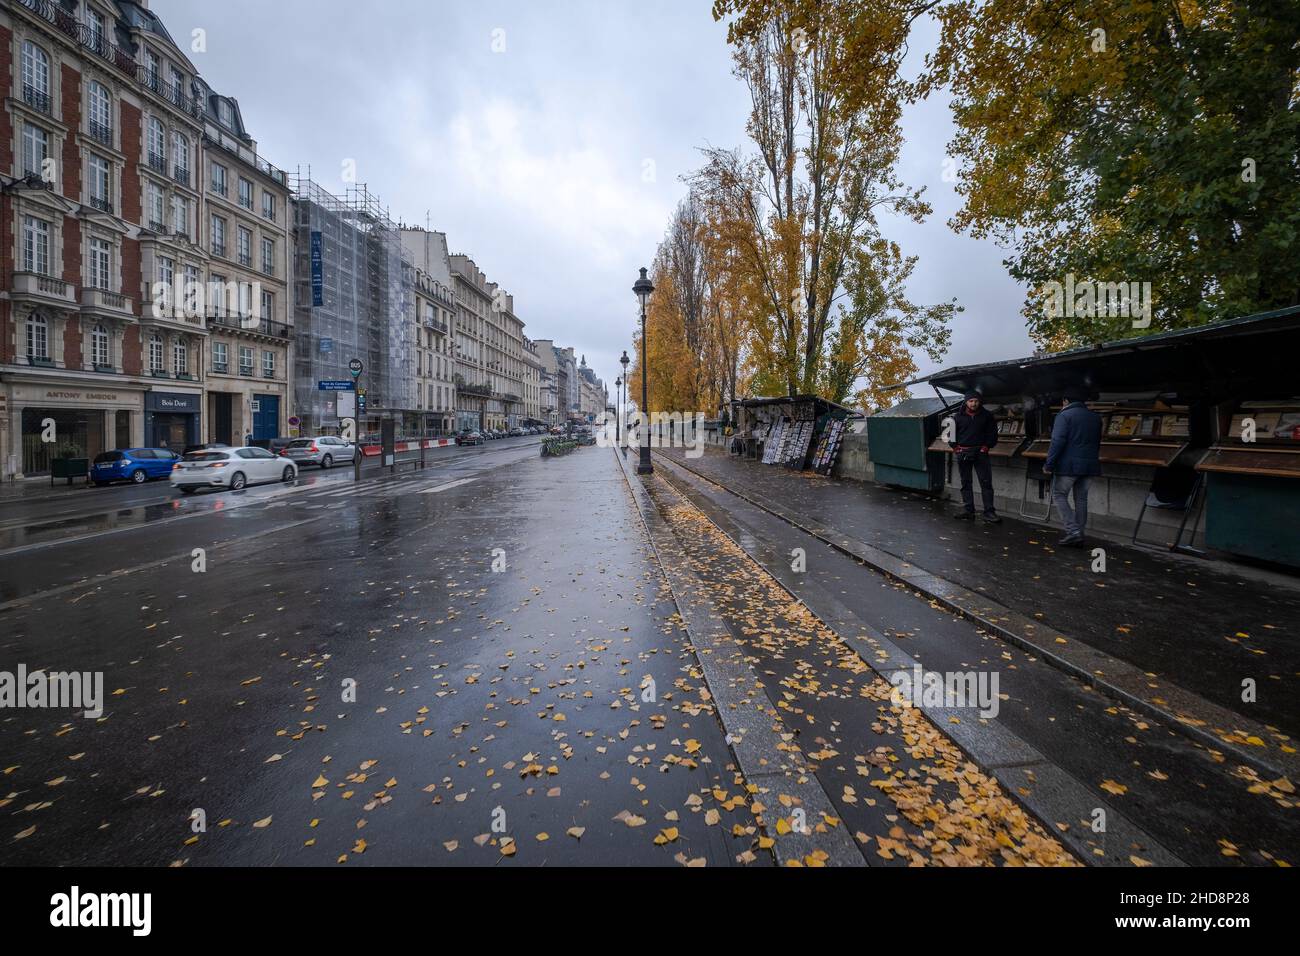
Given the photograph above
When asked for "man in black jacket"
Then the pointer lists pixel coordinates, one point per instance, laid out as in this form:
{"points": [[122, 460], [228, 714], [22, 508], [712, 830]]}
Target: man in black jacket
{"points": [[975, 433]]}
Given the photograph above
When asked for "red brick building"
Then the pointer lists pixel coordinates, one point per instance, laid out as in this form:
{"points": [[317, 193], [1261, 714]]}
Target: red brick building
{"points": [[104, 135]]}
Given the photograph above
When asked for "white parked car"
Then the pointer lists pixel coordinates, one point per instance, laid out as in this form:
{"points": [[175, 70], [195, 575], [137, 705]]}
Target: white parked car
{"points": [[323, 451], [231, 468]]}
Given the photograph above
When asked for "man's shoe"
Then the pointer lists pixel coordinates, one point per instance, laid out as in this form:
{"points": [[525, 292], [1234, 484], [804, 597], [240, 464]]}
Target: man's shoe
{"points": [[964, 515], [991, 517], [1071, 541]]}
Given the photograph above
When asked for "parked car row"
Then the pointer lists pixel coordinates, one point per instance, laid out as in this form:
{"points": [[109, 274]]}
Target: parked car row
{"points": [[216, 464]]}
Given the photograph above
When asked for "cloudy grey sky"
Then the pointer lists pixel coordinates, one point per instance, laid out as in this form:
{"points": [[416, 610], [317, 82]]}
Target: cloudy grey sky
{"points": [[547, 139]]}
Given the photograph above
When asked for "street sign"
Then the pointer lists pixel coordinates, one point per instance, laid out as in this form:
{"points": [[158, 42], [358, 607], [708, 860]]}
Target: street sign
{"points": [[336, 385], [327, 345], [317, 270], [355, 367], [295, 420]]}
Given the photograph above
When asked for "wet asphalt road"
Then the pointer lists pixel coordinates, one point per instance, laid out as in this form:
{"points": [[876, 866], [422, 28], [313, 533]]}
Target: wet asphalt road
{"points": [[498, 715]]}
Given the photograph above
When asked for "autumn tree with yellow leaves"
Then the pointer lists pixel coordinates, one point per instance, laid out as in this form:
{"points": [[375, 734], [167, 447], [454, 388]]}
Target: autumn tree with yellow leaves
{"points": [[793, 273]]}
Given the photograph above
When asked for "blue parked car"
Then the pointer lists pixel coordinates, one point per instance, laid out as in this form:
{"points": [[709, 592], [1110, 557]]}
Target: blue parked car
{"points": [[133, 464]]}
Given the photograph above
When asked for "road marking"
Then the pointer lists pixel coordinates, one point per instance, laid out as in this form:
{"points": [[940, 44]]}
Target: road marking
{"points": [[450, 484]]}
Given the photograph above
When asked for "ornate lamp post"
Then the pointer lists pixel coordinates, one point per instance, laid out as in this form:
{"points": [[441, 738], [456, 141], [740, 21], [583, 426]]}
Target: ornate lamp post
{"points": [[643, 287], [622, 409]]}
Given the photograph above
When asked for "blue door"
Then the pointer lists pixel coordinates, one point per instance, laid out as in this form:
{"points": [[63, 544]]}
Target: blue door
{"points": [[266, 416]]}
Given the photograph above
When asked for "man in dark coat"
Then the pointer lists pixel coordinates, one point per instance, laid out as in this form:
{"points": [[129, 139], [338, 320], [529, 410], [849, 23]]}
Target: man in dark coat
{"points": [[1073, 461], [975, 433]]}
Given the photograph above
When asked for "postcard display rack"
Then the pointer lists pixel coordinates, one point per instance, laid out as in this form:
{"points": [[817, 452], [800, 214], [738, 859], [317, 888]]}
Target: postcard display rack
{"points": [[790, 438], [828, 447], [1253, 497]]}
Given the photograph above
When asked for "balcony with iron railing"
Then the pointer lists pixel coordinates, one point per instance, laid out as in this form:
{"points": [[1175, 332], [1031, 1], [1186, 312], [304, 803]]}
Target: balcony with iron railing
{"points": [[55, 14], [101, 203], [157, 162], [100, 133], [250, 324], [99, 44], [181, 174], [37, 99], [245, 259], [249, 156]]}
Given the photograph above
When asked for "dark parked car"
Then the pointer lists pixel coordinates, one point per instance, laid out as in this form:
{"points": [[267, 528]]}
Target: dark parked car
{"points": [[468, 438], [132, 464]]}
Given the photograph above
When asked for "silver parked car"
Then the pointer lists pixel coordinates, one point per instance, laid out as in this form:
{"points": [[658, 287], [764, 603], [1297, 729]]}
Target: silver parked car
{"points": [[323, 451], [231, 468]]}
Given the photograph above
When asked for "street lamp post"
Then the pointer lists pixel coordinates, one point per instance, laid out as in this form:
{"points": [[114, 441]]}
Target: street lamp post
{"points": [[643, 287], [618, 400], [622, 409]]}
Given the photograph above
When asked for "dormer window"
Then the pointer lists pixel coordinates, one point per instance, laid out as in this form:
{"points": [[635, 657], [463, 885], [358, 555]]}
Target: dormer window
{"points": [[225, 113]]}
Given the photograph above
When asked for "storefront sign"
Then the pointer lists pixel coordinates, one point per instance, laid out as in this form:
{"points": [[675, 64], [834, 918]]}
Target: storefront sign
{"points": [[174, 402]]}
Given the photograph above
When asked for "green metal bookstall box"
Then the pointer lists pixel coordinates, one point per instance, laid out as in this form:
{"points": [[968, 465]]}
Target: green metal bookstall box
{"points": [[897, 444]]}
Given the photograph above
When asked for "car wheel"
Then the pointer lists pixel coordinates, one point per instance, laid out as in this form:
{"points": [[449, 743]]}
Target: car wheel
{"points": [[327, 461], [287, 475], [237, 481], [139, 477]]}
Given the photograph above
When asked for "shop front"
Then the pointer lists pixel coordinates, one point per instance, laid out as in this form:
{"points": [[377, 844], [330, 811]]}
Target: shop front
{"points": [[171, 419], [54, 419]]}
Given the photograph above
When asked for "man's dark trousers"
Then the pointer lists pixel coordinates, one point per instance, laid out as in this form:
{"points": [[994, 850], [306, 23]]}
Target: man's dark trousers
{"points": [[979, 465]]}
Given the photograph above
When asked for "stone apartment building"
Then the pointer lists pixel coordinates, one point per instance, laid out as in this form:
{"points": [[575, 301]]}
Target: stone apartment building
{"points": [[105, 245], [489, 349], [433, 320]]}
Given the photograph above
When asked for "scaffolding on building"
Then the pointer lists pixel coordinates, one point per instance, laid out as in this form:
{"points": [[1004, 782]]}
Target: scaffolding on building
{"points": [[366, 308]]}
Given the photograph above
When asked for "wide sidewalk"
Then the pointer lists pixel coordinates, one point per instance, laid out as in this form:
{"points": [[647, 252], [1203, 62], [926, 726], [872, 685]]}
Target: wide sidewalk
{"points": [[1169, 632]]}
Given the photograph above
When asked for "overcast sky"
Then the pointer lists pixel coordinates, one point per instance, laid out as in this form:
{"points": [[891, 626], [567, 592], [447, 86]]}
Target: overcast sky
{"points": [[547, 139]]}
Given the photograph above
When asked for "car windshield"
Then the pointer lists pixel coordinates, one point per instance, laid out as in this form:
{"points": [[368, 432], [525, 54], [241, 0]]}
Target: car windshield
{"points": [[108, 456], [206, 456], [300, 443]]}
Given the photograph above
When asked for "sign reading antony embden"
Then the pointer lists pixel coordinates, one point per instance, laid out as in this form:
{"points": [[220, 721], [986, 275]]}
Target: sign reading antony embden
{"points": [[55, 689]]}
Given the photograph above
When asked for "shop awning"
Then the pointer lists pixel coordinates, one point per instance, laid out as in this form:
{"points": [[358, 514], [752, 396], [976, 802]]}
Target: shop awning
{"points": [[1208, 361]]}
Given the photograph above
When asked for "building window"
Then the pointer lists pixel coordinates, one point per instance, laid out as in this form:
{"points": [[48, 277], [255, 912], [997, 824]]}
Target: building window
{"points": [[217, 293], [100, 183], [100, 264], [244, 246], [36, 245], [193, 285], [268, 304], [181, 158], [245, 193], [268, 256], [218, 236], [154, 198], [95, 27], [36, 149], [220, 357], [225, 113], [156, 363], [268, 364], [245, 299], [99, 120], [219, 179], [180, 358], [157, 142], [38, 337], [180, 216], [151, 72], [166, 275], [99, 347], [36, 76], [178, 86], [268, 206], [245, 360]]}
